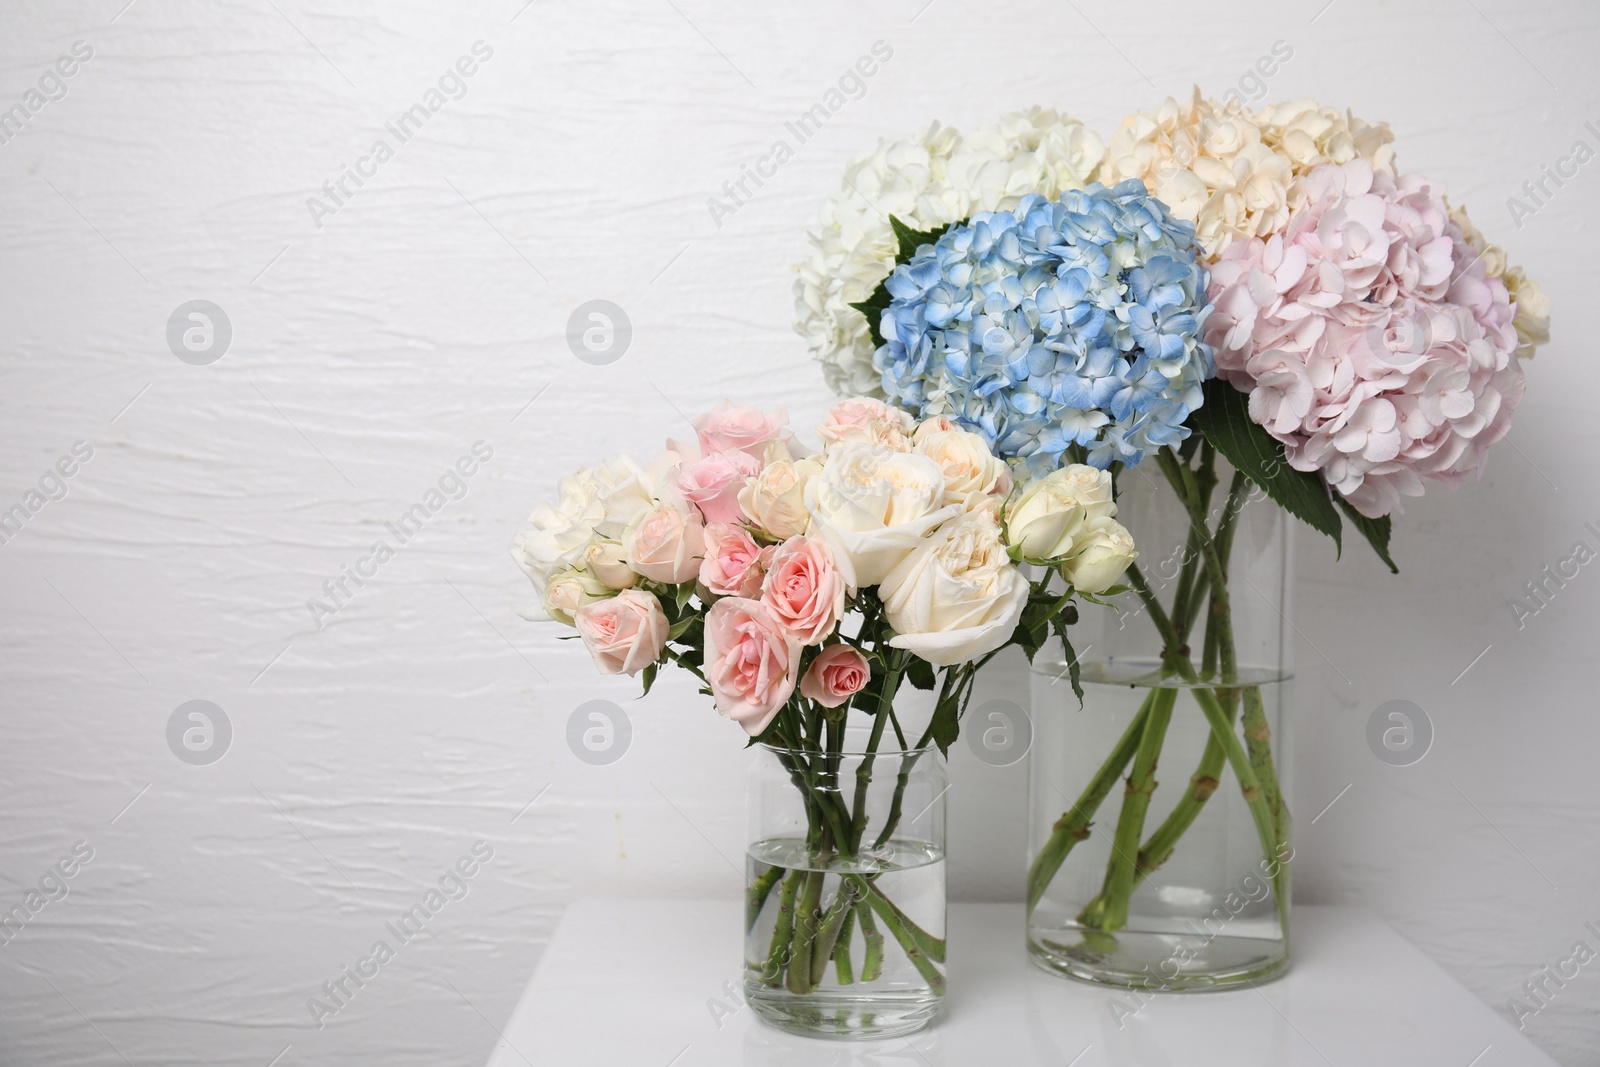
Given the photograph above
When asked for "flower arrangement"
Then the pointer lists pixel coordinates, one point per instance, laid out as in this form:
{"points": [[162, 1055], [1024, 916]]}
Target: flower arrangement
{"points": [[802, 586], [926, 181], [1066, 322], [1260, 288]]}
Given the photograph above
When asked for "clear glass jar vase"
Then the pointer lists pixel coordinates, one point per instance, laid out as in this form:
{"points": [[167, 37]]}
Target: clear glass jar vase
{"points": [[845, 890], [1158, 823]]}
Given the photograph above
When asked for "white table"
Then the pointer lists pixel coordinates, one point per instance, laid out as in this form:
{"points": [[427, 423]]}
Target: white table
{"points": [[635, 984]]}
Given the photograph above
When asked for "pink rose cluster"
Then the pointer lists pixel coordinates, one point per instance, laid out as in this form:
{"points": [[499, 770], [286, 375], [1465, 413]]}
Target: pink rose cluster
{"points": [[739, 554], [1374, 343]]}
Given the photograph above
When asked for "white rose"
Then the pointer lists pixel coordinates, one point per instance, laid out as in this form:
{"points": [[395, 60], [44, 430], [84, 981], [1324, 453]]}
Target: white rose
{"points": [[603, 500], [974, 477], [775, 499], [1104, 551], [873, 506], [570, 589], [957, 596], [1045, 520]]}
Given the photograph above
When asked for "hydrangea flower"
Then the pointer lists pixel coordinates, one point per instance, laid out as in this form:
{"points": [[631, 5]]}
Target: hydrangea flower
{"points": [[1236, 174], [1533, 305], [1372, 339], [1065, 322], [938, 177]]}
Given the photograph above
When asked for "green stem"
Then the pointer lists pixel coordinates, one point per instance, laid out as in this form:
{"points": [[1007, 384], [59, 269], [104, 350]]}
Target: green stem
{"points": [[891, 682], [872, 960], [756, 895], [798, 976], [893, 916], [918, 945], [842, 970], [782, 931], [828, 932], [1073, 826], [1258, 745], [1130, 824]]}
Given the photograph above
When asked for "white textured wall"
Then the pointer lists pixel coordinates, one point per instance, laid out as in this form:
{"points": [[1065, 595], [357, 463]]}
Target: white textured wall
{"points": [[370, 353]]}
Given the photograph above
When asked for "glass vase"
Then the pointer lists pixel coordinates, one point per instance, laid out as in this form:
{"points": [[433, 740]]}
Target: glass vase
{"points": [[845, 890], [1158, 823]]}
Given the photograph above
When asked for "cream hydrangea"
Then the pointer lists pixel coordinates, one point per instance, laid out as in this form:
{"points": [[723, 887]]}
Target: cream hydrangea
{"points": [[1237, 174], [1532, 321], [937, 177]]}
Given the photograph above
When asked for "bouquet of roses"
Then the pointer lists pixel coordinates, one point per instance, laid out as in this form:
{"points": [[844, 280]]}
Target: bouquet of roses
{"points": [[800, 586], [1262, 289]]}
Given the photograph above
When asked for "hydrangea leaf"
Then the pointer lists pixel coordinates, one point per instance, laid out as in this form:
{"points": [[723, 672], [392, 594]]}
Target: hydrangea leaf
{"points": [[1376, 531], [1225, 420], [909, 241]]}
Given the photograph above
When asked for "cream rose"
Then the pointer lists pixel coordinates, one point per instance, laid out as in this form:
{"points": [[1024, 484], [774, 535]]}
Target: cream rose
{"points": [[1044, 521], [598, 501], [666, 545], [974, 477], [571, 589], [1104, 551], [775, 499], [957, 596], [624, 634], [873, 506], [608, 561]]}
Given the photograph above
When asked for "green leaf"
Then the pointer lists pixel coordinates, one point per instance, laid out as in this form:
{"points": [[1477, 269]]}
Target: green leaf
{"points": [[1073, 668], [1225, 420], [1376, 531], [911, 240], [872, 307], [683, 593], [679, 628], [908, 241], [919, 672], [945, 726], [649, 676]]}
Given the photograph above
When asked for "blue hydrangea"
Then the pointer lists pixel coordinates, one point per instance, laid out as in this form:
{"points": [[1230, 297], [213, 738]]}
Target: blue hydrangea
{"points": [[1070, 322]]}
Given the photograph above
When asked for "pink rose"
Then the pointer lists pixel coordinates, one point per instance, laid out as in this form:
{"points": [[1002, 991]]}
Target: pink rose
{"points": [[713, 482], [863, 418], [804, 590], [837, 673], [625, 633], [739, 428], [734, 563], [751, 662], [666, 545]]}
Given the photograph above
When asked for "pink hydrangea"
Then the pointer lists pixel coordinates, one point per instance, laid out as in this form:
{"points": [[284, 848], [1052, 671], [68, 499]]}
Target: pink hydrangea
{"points": [[1369, 336]]}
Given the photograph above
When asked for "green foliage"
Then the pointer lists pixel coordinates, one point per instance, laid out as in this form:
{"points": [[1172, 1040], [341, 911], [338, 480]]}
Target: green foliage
{"points": [[1225, 420], [909, 241], [1376, 531]]}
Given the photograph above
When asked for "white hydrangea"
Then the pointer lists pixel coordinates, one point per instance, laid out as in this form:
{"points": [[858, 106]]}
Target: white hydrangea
{"points": [[936, 177]]}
